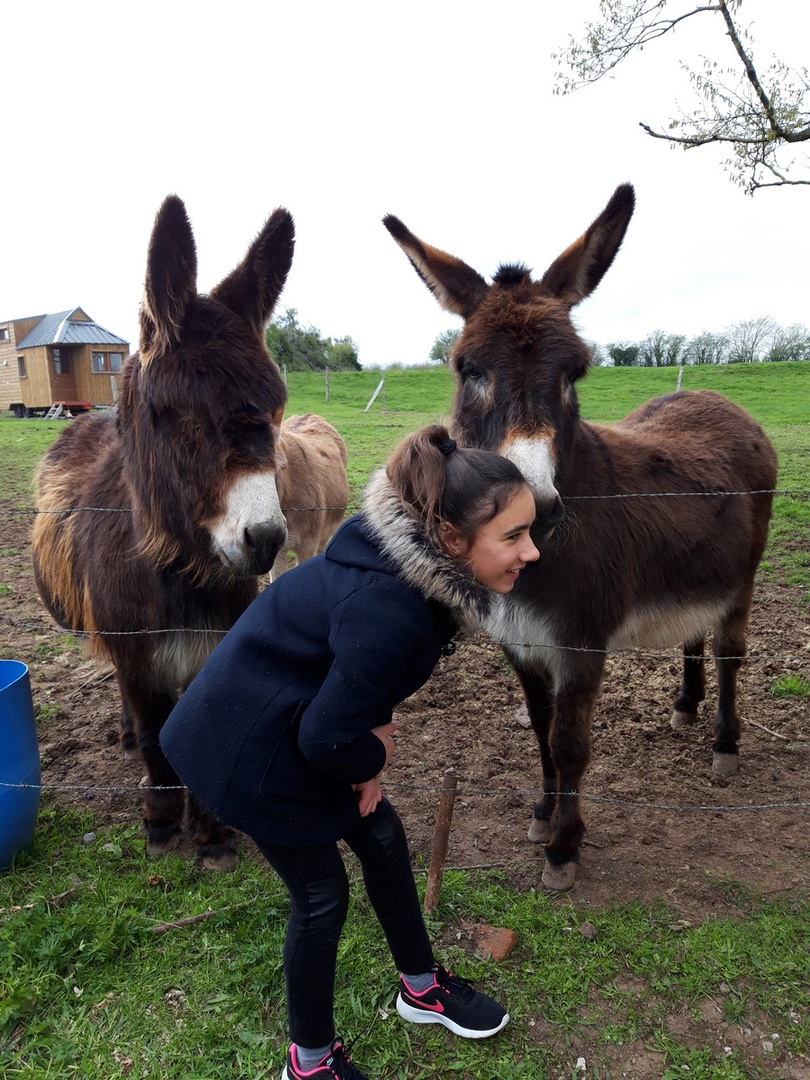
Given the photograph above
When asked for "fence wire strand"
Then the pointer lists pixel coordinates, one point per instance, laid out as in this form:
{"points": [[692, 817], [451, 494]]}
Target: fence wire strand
{"points": [[459, 791], [755, 657], [354, 507]]}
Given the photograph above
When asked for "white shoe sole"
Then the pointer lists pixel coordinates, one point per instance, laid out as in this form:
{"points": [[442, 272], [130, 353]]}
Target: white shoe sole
{"points": [[423, 1016]]}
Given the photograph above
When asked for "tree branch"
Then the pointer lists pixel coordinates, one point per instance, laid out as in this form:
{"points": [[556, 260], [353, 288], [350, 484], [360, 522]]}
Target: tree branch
{"points": [[756, 116], [620, 44], [690, 141]]}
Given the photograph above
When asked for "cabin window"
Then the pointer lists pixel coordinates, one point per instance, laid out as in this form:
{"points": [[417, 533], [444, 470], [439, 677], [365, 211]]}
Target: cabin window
{"points": [[61, 362], [21, 367], [107, 362], [3, 333]]}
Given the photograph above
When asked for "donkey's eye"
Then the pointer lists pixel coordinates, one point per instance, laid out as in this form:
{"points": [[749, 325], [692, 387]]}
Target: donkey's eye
{"points": [[472, 372], [249, 439]]}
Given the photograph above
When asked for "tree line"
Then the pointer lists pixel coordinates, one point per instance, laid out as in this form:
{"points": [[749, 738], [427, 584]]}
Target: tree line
{"points": [[748, 342]]}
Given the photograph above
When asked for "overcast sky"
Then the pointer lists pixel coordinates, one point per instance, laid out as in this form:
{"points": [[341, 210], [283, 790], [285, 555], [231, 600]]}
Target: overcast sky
{"points": [[441, 112]]}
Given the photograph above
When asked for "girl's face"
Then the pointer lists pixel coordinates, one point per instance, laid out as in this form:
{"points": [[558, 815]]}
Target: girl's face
{"points": [[500, 549]]}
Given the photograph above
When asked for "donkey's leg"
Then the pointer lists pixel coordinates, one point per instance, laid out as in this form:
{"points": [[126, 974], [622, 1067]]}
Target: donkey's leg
{"points": [[540, 703], [148, 705], [693, 687], [127, 737], [571, 751], [729, 649], [214, 840]]}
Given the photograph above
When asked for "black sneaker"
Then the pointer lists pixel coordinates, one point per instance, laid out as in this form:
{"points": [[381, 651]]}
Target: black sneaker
{"points": [[453, 1002], [335, 1066]]}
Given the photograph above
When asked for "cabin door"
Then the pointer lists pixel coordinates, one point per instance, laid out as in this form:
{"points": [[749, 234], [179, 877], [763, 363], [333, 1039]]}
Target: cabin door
{"points": [[63, 375]]}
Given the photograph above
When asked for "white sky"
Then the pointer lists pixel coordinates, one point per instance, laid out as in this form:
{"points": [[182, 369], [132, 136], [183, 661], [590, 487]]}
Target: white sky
{"points": [[441, 112]]}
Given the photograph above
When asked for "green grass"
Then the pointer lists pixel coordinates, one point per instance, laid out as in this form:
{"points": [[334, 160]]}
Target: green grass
{"points": [[88, 990], [22, 444], [772, 393], [792, 686], [412, 399]]}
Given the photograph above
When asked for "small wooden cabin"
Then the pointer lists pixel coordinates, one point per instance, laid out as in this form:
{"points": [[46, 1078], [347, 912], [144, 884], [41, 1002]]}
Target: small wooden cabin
{"points": [[64, 359]]}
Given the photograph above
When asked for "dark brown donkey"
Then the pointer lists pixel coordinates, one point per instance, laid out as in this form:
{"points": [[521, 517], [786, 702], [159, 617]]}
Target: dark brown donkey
{"points": [[617, 569], [184, 470]]}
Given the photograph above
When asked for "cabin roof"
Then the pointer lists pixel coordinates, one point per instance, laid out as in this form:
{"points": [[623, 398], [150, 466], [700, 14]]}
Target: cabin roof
{"points": [[72, 327]]}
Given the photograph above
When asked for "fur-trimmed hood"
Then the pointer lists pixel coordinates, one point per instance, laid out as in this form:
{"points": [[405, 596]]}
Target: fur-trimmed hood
{"points": [[429, 570]]}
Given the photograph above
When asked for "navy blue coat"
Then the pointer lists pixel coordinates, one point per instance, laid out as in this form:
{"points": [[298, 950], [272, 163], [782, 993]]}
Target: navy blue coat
{"points": [[276, 727]]}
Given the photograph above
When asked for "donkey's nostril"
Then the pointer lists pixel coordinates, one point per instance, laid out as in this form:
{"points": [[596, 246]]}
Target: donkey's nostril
{"points": [[558, 511], [550, 515], [262, 542]]}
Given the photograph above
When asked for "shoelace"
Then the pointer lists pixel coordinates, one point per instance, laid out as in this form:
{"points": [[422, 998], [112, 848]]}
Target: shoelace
{"points": [[449, 982], [341, 1060]]}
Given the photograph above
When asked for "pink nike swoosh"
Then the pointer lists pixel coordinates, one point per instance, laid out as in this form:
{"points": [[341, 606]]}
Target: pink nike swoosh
{"points": [[438, 1007]]}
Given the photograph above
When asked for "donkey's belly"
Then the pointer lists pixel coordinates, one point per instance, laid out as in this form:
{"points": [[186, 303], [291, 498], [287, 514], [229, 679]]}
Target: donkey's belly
{"points": [[660, 627], [534, 641]]}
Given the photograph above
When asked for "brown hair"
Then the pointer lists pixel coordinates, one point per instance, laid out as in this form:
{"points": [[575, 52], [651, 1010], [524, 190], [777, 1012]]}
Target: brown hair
{"points": [[439, 482]]}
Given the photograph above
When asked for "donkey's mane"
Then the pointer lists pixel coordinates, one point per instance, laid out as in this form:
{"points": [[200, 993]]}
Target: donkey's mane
{"points": [[509, 274]]}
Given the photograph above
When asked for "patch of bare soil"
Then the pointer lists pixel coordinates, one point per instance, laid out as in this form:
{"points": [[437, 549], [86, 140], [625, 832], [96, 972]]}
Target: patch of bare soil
{"points": [[659, 825]]}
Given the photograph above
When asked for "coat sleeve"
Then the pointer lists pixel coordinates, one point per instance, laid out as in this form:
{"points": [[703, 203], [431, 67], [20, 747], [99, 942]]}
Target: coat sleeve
{"points": [[376, 636]]}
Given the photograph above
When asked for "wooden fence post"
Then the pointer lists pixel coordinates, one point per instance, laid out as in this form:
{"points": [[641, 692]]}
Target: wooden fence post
{"points": [[441, 836]]}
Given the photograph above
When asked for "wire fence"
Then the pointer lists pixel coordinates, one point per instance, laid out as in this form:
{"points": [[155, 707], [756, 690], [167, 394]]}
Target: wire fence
{"points": [[460, 790], [798, 493]]}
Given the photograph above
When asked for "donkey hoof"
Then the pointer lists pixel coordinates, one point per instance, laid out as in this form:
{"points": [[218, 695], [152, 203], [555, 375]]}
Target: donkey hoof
{"points": [[680, 719], [162, 846], [226, 861], [725, 764], [539, 831], [560, 877], [217, 854], [131, 753]]}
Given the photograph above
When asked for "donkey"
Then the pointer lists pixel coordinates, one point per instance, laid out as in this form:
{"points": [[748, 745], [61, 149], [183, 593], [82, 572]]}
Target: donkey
{"points": [[186, 465], [312, 486], [619, 567]]}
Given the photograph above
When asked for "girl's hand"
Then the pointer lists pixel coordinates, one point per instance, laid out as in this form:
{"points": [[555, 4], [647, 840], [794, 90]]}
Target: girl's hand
{"points": [[369, 796], [385, 733]]}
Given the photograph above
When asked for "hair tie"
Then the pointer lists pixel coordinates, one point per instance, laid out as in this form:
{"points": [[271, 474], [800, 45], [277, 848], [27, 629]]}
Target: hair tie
{"points": [[448, 447]]}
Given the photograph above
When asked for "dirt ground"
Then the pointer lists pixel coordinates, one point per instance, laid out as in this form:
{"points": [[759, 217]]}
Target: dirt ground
{"points": [[659, 825]]}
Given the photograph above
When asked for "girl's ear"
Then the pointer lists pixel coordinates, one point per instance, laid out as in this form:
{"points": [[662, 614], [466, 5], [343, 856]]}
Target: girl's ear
{"points": [[452, 540]]}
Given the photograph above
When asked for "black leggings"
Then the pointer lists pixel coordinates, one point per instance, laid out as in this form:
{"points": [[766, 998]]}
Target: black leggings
{"points": [[319, 898]]}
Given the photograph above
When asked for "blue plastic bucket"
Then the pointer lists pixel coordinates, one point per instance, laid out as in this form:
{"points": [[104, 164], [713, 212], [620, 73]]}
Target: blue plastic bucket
{"points": [[19, 761]]}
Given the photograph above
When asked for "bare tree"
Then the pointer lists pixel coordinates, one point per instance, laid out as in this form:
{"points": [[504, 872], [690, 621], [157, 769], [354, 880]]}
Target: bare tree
{"points": [[748, 340], [660, 349], [706, 348], [790, 343], [760, 117]]}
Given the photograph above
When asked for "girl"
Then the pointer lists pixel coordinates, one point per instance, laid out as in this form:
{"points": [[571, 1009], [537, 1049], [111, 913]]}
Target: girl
{"points": [[287, 729]]}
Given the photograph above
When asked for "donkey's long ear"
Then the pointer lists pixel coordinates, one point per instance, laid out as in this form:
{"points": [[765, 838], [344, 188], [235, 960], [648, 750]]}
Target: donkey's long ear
{"points": [[456, 286], [577, 272], [171, 278], [253, 288]]}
